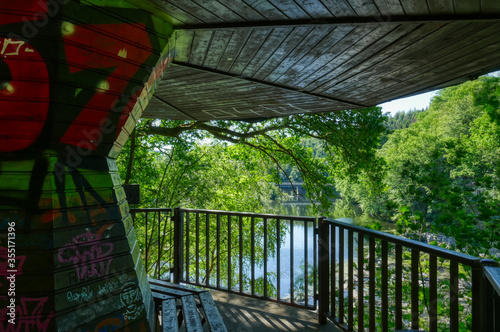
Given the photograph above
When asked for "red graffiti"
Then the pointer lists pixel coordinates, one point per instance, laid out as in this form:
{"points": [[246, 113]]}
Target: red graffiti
{"points": [[24, 100], [105, 49], [29, 315], [17, 11], [90, 256]]}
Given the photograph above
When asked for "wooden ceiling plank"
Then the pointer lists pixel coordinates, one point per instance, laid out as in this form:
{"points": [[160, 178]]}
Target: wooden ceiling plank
{"points": [[467, 68], [266, 9], [198, 11], [441, 7], [339, 8], [252, 46], [284, 88], [234, 47], [364, 59], [453, 57], [366, 71], [290, 9], [389, 8], [267, 48], [423, 42], [201, 44], [314, 8], [217, 48], [415, 7], [221, 11], [307, 43], [365, 8], [489, 6], [183, 41], [282, 52], [326, 62], [179, 15], [244, 10], [467, 7], [355, 54], [313, 58]]}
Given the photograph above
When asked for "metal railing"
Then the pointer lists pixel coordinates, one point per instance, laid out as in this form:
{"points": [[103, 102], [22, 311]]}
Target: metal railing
{"points": [[491, 291], [359, 278], [397, 283], [156, 227]]}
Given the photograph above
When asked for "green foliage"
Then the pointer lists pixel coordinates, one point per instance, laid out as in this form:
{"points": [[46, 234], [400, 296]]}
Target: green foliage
{"points": [[440, 175]]}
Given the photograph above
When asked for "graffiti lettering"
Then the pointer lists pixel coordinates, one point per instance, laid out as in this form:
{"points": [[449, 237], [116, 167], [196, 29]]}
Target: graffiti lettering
{"points": [[30, 316], [90, 256], [130, 297], [84, 296]]}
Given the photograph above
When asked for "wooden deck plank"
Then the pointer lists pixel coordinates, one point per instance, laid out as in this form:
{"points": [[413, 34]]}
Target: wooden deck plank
{"points": [[211, 313], [169, 316], [191, 316]]}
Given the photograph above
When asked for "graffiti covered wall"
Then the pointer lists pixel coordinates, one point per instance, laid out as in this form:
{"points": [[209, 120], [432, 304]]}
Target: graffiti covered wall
{"points": [[75, 77]]}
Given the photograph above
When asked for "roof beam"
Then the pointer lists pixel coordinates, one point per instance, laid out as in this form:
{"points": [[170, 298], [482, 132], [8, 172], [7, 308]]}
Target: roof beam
{"points": [[344, 21], [281, 87]]}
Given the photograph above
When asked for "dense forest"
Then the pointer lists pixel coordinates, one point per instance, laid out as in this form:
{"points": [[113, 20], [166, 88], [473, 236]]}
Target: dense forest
{"points": [[433, 173]]}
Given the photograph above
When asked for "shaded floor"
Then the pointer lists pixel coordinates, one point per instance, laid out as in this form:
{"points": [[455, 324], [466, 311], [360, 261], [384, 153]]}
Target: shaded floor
{"points": [[244, 314]]}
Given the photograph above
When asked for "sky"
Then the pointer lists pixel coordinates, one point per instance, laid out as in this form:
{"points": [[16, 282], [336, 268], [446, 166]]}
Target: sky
{"points": [[420, 101], [415, 102]]}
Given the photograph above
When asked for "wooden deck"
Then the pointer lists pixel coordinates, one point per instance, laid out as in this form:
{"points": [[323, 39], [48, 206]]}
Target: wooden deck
{"points": [[244, 314]]}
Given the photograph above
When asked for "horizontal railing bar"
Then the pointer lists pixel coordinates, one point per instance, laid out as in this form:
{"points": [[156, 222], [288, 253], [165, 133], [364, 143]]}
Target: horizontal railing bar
{"points": [[492, 273], [250, 214], [424, 247]]}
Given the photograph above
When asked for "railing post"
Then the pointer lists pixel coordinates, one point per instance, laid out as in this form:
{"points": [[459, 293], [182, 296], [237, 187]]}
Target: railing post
{"points": [[485, 317], [178, 244], [323, 269]]}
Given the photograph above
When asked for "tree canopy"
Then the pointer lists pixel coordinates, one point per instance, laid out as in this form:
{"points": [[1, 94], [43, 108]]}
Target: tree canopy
{"points": [[184, 151]]}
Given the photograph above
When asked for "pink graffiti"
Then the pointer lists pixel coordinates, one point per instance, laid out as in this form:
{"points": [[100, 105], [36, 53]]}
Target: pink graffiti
{"points": [[30, 315], [89, 255]]}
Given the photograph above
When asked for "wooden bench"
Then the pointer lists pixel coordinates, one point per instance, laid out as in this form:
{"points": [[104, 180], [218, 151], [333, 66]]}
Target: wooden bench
{"points": [[179, 304]]}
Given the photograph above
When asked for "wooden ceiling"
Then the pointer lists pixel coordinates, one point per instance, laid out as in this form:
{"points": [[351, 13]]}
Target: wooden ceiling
{"points": [[255, 59]]}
